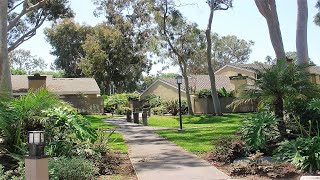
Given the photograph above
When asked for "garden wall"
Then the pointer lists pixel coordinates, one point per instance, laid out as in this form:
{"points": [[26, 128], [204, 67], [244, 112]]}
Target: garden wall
{"points": [[205, 105], [85, 104]]}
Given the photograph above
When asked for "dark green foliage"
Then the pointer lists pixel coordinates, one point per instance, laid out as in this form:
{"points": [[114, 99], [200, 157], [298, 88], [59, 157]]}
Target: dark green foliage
{"points": [[72, 168], [30, 16], [277, 85], [160, 110], [206, 93], [260, 131], [65, 130], [71, 35], [118, 102], [151, 101], [173, 108], [17, 116], [228, 149], [317, 16], [17, 173], [304, 153]]}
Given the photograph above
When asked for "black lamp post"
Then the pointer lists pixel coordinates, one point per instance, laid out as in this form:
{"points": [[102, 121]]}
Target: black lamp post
{"points": [[179, 82]]}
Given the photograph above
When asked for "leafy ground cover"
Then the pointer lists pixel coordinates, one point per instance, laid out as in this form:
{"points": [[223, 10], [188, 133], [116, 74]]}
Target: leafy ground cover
{"points": [[124, 169], [116, 141], [200, 130]]}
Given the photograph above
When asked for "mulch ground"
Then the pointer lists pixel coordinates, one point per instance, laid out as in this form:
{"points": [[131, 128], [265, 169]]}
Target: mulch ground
{"points": [[123, 170]]}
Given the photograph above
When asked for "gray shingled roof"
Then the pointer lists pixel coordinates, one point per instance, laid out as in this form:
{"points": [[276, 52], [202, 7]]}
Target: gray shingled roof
{"points": [[60, 86], [199, 82], [312, 69]]}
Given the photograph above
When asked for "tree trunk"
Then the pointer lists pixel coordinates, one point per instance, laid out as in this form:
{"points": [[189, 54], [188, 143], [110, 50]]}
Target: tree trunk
{"points": [[183, 67], [278, 110], [5, 74], [214, 94], [268, 10], [302, 34]]}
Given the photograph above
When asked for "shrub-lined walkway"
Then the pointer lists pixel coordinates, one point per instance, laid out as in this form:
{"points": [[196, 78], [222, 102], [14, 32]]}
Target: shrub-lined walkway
{"points": [[154, 158]]}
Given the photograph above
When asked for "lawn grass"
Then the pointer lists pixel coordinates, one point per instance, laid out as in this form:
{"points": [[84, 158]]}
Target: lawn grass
{"points": [[201, 131], [116, 141], [191, 121]]}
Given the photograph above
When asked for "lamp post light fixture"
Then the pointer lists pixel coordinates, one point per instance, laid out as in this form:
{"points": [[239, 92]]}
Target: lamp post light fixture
{"points": [[36, 163], [179, 82], [36, 144]]}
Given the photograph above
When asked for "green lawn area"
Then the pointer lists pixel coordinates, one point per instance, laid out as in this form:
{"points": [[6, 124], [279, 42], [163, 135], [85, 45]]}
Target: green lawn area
{"points": [[200, 130], [116, 142], [231, 119]]}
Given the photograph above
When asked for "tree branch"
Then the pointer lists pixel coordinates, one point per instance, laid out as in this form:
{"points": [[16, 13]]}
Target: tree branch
{"points": [[24, 11], [27, 35], [15, 7]]}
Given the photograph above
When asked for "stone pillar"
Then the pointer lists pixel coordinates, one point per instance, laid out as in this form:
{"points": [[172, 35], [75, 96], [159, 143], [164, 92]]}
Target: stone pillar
{"points": [[136, 117], [145, 117], [129, 116], [36, 169]]}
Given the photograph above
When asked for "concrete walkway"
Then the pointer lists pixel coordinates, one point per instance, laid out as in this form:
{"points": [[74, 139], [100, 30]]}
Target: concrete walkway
{"points": [[155, 158]]}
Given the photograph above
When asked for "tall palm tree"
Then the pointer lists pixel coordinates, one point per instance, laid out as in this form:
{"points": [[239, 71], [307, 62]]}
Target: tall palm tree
{"points": [[277, 84]]}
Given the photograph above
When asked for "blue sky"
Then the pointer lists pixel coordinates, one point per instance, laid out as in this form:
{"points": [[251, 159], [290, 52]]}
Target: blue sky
{"points": [[243, 20]]}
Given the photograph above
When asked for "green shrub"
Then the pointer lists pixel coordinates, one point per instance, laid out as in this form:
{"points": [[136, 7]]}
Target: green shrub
{"points": [[117, 101], [65, 129], [23, 114], [161, 110], [151, 101], [133, 96], [72, 168], [172, 107], [224, 93], [304, 153], [206, 93], [122, 110], [259, 130], [16, 174]]}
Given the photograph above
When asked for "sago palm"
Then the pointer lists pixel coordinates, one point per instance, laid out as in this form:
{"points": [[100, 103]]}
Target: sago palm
{"points": [[276, 84]]}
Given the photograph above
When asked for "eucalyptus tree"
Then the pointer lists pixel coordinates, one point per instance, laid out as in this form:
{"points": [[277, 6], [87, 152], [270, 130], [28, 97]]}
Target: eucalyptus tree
{"points": [[23, 60], [302, 32], [268, 10], [26, 16], [5, 75], [317, 16], [181, 40], [20, 20], [214, 5], [66, 38]]}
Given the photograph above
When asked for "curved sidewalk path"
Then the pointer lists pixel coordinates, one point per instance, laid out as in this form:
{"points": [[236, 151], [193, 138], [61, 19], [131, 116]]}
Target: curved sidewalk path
{"points": [[155, 158]]}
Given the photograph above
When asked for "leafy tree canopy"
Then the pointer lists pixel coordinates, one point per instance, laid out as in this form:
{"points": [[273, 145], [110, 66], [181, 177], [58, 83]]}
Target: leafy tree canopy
{"points": [[26, 16], [23, 61], [317, 16]]}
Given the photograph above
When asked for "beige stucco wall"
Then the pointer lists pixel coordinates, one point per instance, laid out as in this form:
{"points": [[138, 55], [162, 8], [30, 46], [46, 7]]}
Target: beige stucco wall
{"points": [[92, 104], [36, 84], [205, 105], [165, 91], [232, 71]]}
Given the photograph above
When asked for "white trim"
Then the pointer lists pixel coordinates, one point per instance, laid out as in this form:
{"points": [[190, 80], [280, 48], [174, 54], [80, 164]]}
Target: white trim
{"points": [[240, 68]]}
